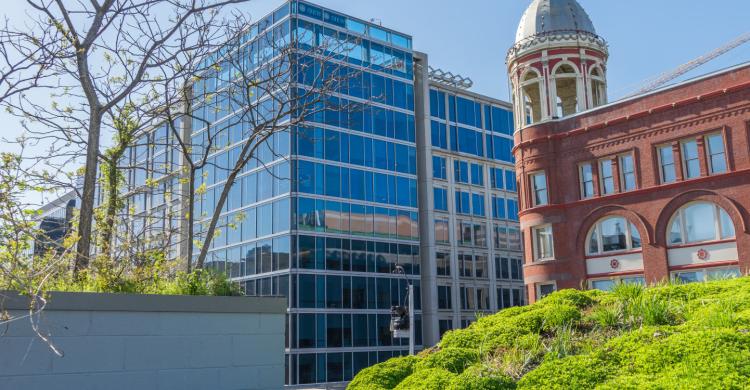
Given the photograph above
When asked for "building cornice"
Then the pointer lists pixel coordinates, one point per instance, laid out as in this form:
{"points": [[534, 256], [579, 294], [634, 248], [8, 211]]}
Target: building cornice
{"points": [[555, 40]]}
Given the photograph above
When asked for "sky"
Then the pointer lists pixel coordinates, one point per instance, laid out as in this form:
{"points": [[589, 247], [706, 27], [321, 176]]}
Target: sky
{"points": [[471, 37]]}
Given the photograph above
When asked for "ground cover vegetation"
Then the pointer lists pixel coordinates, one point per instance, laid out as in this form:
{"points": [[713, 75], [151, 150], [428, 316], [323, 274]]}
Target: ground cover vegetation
{"points": [[672, 336]]}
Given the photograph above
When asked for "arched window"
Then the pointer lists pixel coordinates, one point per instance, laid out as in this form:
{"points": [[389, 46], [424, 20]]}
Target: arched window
{"points": [[532, 97], [598, 88], [612, 234], [566, 90], [700, 222]]}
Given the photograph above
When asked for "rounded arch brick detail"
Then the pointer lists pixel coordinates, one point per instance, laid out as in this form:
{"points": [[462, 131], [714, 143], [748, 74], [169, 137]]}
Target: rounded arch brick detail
{"points": [[596, 215], [735, 211]]}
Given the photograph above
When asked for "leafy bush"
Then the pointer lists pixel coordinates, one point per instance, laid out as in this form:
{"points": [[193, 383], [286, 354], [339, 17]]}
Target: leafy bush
{"points": [[672, 336], [386, 375], [577, 298], [454, 360], [150, 280], [478, 377], [427, 379]]}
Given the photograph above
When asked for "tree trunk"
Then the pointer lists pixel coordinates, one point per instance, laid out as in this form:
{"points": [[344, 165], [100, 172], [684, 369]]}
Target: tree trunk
{"points": [[83, 249], [190, 219]]}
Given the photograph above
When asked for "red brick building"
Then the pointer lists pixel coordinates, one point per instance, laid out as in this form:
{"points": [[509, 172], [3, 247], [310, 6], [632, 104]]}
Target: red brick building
{"points": [[652, 187]]}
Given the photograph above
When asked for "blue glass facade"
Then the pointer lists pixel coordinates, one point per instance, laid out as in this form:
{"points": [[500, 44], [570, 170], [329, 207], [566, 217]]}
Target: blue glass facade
{"points": [[477, 246], [327, 208]]}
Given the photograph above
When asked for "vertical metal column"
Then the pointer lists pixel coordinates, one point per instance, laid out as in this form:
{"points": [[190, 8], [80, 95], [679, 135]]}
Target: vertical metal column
{"points": [[411, 319]]}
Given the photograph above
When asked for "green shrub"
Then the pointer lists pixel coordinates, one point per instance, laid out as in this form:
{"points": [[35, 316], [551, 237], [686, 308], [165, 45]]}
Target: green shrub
{"points": [[562, 344], [572, 372], [577, 298], [384, 376], [202, 282], [429, 379], [653, 310], [455, 360], [672, 336], [471, 337], [605, 316], [152, 277], [478, 377], [556, 316]]}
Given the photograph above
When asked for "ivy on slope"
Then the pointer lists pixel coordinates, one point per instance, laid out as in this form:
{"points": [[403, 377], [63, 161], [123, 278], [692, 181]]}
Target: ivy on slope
{"points": [[672, 336]]}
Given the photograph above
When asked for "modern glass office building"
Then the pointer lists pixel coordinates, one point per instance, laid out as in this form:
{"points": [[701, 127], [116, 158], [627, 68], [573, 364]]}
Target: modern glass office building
{"points": [[399, 169], [470, 235]]}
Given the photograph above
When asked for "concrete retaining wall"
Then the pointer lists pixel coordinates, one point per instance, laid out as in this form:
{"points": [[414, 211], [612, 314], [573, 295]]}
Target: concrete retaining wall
{"points": [[146, 342]]}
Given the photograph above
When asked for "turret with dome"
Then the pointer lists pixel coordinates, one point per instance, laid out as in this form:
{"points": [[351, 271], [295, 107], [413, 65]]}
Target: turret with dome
{"points": [[557, 66]]}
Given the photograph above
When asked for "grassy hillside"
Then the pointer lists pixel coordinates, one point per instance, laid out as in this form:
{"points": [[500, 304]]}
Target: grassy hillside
{"points": [[694, 336]]}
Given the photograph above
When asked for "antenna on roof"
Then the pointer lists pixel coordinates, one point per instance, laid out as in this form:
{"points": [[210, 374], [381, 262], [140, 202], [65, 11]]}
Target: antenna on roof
{"points": [[376, 20]]}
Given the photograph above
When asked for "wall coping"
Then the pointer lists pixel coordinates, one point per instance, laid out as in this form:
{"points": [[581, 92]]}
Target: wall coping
{"points": [[75, 301]]}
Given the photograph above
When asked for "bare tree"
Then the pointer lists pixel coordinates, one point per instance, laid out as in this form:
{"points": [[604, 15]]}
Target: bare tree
{"points": [[105, 53], [236, 101], [24, 62]]}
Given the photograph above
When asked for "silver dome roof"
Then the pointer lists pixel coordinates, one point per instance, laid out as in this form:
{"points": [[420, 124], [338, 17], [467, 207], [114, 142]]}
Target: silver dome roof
{"points": [[550, 16]]}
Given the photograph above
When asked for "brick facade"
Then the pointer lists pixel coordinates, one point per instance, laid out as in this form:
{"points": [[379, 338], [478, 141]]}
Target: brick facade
{"points": [[715, 104]]}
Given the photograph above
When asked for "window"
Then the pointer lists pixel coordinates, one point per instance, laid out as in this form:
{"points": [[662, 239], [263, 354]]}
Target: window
{"points": [[444, 298], [439, 135], [606, 177], [707, 274], [477, 174], [502, 269], [483, 299], [690, 161], [441, 231], [463, 205], [500, 237], [586, 173], [514, 239], [598, 88], [480, 235], [461, 171], [539, 188], [496, 178], [465, 264], [505, 297], [438, 168], [566, 88], [700, 222], [609, 284], [512, 209], [544, 289], [443, 261], [481, 269], [612, 234], [498, 207], [478, 208], [531, 98], [543, 243], [510, 181], [463, 231], [468, 298], [716, 154], [516, 267], [627, 172], [666, 164], [441, 199]]}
